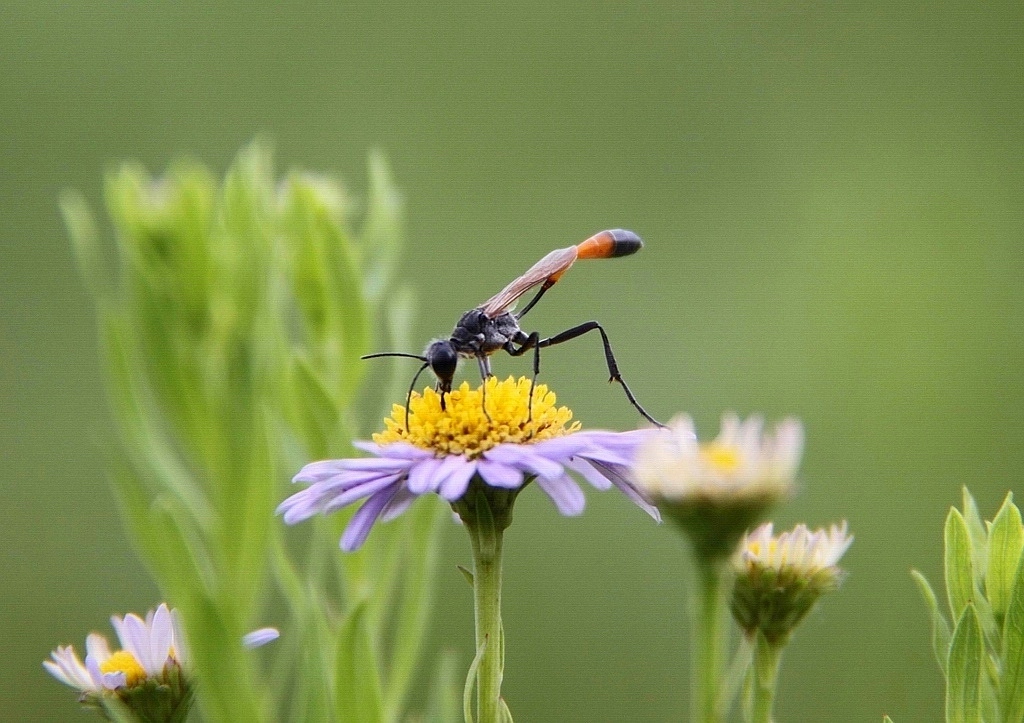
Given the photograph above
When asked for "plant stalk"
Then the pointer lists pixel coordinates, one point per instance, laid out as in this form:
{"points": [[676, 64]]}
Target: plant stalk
{"points": [[708, 641], [765, 677], [486, 542]]}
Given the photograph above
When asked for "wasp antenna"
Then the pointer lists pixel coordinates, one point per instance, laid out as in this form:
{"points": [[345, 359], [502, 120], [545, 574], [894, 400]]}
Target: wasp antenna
{"points": [[394, 353], [408, 397]]}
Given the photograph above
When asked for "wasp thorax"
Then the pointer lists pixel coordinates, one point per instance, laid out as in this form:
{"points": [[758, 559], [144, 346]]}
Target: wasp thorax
{"points": [[443, 359]]}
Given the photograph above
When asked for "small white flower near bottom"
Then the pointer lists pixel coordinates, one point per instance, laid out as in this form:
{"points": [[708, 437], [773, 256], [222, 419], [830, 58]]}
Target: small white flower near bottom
{"points": [[153, 655]]}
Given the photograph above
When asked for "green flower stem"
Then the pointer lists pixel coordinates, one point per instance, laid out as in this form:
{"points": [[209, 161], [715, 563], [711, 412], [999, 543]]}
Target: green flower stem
{"points": [[487, 512], [708, 640], [487, 598], [764, 679]]}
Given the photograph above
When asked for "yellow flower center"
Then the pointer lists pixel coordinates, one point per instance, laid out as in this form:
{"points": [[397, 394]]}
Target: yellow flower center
{"points": [[464, 428], [722, 459], [124, 662]]}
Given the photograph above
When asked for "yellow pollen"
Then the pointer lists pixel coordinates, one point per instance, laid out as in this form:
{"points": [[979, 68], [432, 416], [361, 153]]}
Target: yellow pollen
{"points": [[124, 662], [463, 427], [722, 459]]}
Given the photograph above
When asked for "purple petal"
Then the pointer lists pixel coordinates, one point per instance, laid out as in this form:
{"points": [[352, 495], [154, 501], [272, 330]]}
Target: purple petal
{"points": [[566, 494], [260, 637], [398, 504], [326, 489], [563, 447], [421, 474], [522, 457], [587, 471], [373, 464], [619, 479], [138, 639], [454, 486], [396, 450], [301, 506], [372, 447], [161, 638], [110, 681], [362, 521], [316, 471], [499, 475], [357, 493], [607, 456], [57, 672]]}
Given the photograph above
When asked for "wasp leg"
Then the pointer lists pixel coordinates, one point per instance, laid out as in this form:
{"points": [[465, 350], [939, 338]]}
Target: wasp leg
{"points": [[485, 373], [527, 343], [613, 367]]}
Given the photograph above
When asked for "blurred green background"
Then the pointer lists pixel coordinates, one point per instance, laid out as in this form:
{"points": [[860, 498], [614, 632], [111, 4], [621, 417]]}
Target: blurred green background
{"points": [[832, 197]]}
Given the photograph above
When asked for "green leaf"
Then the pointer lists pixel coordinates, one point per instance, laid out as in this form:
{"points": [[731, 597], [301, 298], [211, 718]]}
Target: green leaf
{"points": [[940, 628], [1006, 539], [399, 313], [886, 719], [958, 563], [316, 414], [443, 701], [81, 226], [357, 683], [467, 689], [963, 687], [382, 233], [504, 712], [413, 614], [979, 537], [466, 574], [1011, 688]]}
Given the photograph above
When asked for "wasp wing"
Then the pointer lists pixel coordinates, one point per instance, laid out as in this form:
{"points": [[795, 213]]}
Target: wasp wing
{"points": [[550, 268]]}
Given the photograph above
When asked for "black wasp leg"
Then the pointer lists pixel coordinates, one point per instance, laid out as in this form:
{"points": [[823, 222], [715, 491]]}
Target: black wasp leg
{"points": [[485, 373], [613, 368], [528, 342]]}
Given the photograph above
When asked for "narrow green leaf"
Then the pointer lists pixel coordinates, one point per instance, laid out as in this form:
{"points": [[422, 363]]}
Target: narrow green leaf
{"points": [[357, 683], [963, 687], [81, 226], [886, 719], [443, 701], [316, 414], [399, 313], [223, 668], [1006, 539], [958, 563], [504, 712], [1011, 689], [413, 614], [940, 628], [466, 574], [979, 537], [381, 234], [467, 689]]}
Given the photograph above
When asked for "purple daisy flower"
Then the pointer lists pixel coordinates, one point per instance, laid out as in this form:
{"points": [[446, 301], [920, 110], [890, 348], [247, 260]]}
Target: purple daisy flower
{"points": [[443, 450]]}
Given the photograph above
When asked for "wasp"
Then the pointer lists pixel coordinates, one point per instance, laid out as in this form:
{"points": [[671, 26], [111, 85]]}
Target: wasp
{"points": [[494, 326]]}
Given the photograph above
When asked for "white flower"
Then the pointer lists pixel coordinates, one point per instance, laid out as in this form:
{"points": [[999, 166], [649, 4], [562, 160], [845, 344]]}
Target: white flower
{"points": [[800, 552], [780, 578], [147, 647], [718, 490], [743, 461]]}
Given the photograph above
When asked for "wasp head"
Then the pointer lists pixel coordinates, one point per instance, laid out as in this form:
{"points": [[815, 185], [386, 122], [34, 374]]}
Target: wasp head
{"points": [[442, 358]]}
